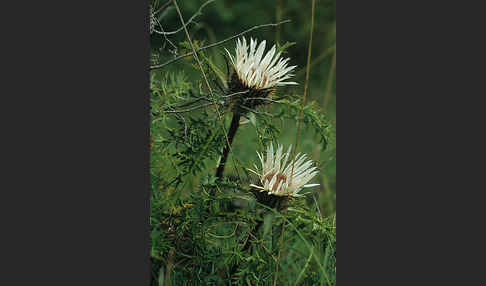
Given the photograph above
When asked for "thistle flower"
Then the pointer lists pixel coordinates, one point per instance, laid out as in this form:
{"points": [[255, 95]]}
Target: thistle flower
{"points": [[276, 177], [259, 72]]}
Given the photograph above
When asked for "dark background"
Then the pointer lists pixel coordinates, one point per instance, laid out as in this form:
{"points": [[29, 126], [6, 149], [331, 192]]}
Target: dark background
{"points": [[411, 213], [74, 155]]}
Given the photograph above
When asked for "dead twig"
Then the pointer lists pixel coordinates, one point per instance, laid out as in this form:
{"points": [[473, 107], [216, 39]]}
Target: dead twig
{"points": [[299, 124], [196, 57], [163, 7], [216, 44], [191, 20], [190, 109]]}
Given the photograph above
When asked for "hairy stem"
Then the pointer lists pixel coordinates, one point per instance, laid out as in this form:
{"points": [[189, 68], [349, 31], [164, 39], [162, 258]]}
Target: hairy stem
{"points": [[235, 123]]}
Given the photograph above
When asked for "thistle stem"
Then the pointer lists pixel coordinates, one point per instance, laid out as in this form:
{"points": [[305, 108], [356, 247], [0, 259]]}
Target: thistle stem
{"points": [[235, 123]]}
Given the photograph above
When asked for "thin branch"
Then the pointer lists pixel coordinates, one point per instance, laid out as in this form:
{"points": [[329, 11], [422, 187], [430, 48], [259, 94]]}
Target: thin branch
{"points": [[192, 46], [207, 99], [306, 85], [317, 205], [189, 103], [262, 98], [217, 43], [167, 39], [327, 93], [194, 53], [317, 60], [236, 93], [163, 7], [190, 109], [299, 124], [188, 21]]}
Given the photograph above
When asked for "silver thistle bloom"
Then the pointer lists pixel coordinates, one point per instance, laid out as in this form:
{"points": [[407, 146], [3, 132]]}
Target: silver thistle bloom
{"points": [[257, 71], [276, 176]]}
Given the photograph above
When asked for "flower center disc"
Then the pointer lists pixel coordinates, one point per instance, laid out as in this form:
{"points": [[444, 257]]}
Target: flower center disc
{"points": [[280, 177]]}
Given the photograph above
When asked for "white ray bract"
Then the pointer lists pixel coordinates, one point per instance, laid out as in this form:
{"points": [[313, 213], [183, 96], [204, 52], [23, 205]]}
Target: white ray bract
{"points": [[276, 176], [258, 71]]}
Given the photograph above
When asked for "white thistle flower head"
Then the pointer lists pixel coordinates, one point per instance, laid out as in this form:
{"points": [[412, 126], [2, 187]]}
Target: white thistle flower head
{"points": [[277, 178], [257, 71]]}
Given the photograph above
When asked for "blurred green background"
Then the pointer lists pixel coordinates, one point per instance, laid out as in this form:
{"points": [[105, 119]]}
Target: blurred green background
{"points": [[221, 19]]}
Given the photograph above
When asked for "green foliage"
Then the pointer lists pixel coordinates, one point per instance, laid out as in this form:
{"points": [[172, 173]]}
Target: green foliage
{"points": [[199, 225], [210, 231], [310, 117], [201, 139]]}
